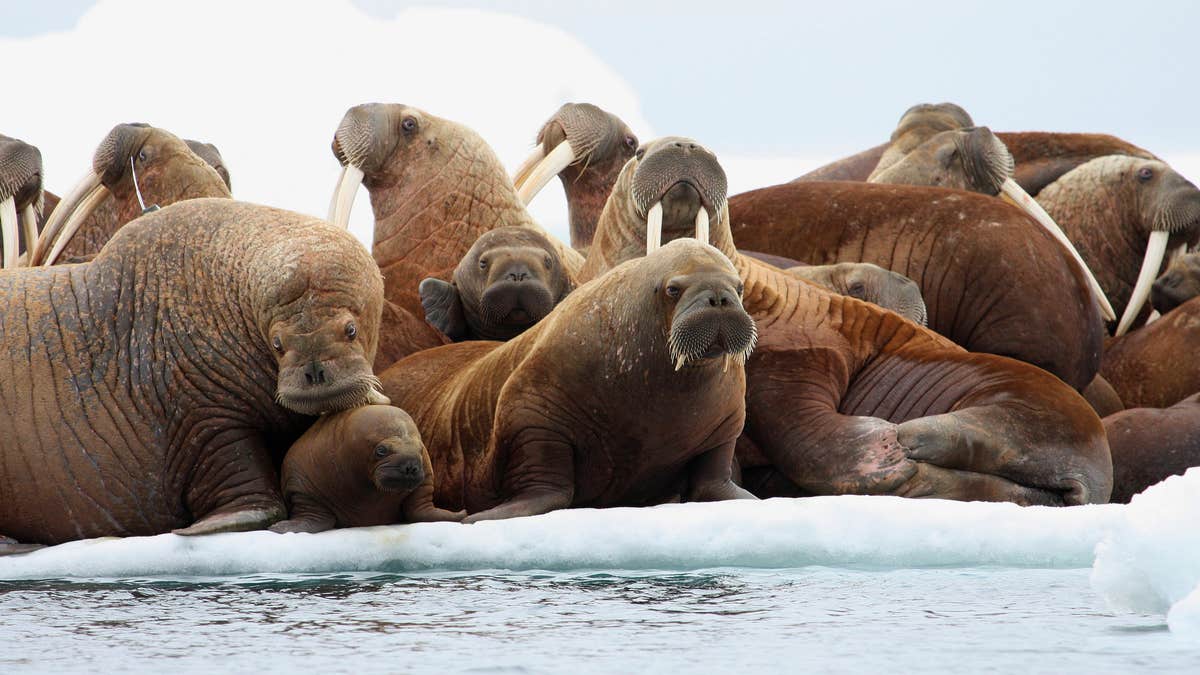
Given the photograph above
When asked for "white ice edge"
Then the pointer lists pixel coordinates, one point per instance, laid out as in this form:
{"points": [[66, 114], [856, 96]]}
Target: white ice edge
{"points": [[886, 532]]}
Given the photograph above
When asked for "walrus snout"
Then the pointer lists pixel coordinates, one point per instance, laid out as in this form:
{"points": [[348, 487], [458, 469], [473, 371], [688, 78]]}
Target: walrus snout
{"points": [[324, 370], [986, 161], [670, 162], [709, 322], [402, 471], [520, 301]]}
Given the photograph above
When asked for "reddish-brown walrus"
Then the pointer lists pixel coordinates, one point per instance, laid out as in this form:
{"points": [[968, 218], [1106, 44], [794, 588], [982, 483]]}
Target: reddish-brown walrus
{"points": [[148, 387], [1157, 365], [843, 397], [356, 468], [631, 392], [1150, 444], [435, 187]]}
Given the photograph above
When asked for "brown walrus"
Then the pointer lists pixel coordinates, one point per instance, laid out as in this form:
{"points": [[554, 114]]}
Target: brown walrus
{"points": [[843, 397], [155, 380], [1180, 283], [21, 198], [356, 468], [435, 187], [509, 280], [1150, 444], [630, 392], [166, 169], [1156, 365]]}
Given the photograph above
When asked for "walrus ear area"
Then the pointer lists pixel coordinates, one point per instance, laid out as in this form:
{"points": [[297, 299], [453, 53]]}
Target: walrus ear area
{"points": [[443, 308]]}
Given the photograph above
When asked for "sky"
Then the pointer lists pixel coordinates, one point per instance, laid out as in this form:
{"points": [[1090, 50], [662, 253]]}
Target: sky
{"points": [[775, 88]]}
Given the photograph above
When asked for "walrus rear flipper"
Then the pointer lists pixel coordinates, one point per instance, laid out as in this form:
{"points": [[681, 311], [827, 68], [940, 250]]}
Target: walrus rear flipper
{"points": [[10, 546]]}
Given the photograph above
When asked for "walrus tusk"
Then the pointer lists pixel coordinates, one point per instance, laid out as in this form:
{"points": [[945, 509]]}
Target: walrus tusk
{"points": [[29, 228], [329, 215], [680, 362], [60, 215], [344, 194], [374, 397], [1156, 248], [654, 228], [1154, 316], [559, 158], [522, 172], [702, 224], [8, 232], [725, 367], [1014, 194], [78, 216]]}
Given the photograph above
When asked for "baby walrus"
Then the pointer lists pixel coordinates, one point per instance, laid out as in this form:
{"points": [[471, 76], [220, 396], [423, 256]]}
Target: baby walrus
{"points": [[359, 467]]}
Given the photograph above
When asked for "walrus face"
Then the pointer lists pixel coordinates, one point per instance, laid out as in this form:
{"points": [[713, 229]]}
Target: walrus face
{"points": [[706, 318], [1180, 283], [323, 364], [212, 156], [20, 197], [509, 280], [397, 462], [677, 187], [966, 159]]}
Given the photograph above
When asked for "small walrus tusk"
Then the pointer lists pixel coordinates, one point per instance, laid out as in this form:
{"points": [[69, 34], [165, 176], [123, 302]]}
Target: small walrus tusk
{"points": [[728, 358], [1014, 194], [8, 232], [680, 362], [29, 228], [344, 194], [654, 227], [60, 215], [702, 225], [78, 216], [1156, 248], [559, 158]]}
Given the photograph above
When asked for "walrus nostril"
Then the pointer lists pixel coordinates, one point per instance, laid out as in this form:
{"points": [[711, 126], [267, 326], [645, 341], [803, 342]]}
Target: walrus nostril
{"points": [[314, 373]]}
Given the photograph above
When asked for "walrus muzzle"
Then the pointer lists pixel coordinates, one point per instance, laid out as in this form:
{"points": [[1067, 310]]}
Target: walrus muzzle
{"points": [[515, 303], [401, 472], [711, 323]]}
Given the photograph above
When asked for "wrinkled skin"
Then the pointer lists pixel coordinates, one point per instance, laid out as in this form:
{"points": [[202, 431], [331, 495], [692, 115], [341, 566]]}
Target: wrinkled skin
{"points": [[509, 280], [435, 188], [152, 393], [869, 283], [843, 397], [631, 392], [212, 156], [1151, 444], [602, 143], [993, 280], [1156, 365], [167, 172], [21, 179], [1180, 283], [357, 468]]}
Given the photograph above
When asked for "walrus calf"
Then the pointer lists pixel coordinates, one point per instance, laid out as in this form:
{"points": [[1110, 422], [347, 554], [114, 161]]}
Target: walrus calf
{"points": [[360, 467], [510, 279], [146, 387], [631, 392]]}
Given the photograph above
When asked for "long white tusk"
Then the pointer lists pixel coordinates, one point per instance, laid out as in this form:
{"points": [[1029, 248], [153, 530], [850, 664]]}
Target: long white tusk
{"points": [[702, 224], [29, 228], [78, 216], [559, 158], [1154, 316], [8, 232], [333, 197], [654, 228], [344, 194], [522, 173], [1156, 248], [60, 215], [1017, 196]]}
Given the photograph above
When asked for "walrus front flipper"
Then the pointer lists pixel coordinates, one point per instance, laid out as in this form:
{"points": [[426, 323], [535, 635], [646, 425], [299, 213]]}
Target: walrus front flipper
{"points": [[234, 489], [443, 308], [10, 546], [418, 506], [710, 476], [233, 521]]}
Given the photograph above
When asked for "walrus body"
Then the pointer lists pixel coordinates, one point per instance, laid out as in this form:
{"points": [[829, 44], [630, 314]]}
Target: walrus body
{"points": [[1150, 444], [630, 392], [357, 468], [1156, 365], [148, 386]]}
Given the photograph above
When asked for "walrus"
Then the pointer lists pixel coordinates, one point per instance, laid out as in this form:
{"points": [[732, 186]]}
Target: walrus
{"points": [[154, 382], [917, 125], [136, 167], [435, 187], [1150, 444], [509, 280], [585, 146], [357, 468], [1155, 366], [869, 283], [631, 392], [844, 397], [211, 156], [21, 198], [1180, 283]]}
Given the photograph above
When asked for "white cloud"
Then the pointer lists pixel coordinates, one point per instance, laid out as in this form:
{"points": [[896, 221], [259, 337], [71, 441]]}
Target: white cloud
{"points": [[268, 82]]}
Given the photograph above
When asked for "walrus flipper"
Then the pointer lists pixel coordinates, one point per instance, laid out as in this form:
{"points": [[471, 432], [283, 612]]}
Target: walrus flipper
{"points": [[235, 490], [418, 506], [443, 308], [232, 521], [10, 546]]}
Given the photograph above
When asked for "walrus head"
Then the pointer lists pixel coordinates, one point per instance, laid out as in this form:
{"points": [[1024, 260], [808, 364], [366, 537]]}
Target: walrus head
{"points": [[212, 156], [677, 186], [20, 197], [138, 167], [869, 283], [586, 147], [386, 441], [510, 279], [971, 158], [1180, 283], [917, 125]]}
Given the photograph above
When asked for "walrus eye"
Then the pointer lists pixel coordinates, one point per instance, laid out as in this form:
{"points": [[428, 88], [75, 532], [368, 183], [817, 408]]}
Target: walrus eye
{"points": [[351, 330], [277, 344], [1145, 173], [381, 451], [640, 153], [483, 263], [549, 262], [409, 124], [740, 288], [672, 291], [857, 290], [141, 155], [631, 142]]}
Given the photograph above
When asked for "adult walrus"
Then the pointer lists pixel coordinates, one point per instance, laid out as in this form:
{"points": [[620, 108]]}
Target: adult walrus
{"points": [[630, 392], [435, 187], [1156, 365], [510, 279], [356, 468], [150, 385], [21, 198], [843, 397], [1150, 444]]}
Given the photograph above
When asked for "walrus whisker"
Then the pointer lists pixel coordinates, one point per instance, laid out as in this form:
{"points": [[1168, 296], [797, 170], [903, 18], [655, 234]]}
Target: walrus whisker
{"points": [[654, 218]]}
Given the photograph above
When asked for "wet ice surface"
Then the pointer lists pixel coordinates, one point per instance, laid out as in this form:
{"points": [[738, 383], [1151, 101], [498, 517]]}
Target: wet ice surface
{"points": [[816, 618]]}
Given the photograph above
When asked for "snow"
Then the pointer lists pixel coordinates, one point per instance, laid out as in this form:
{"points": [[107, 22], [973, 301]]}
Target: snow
{"points": [[1150, 561], [871, 532]]}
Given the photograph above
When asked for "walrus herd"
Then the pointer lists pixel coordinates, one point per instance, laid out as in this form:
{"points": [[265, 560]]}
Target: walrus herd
{"points": [[956, 313]]}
